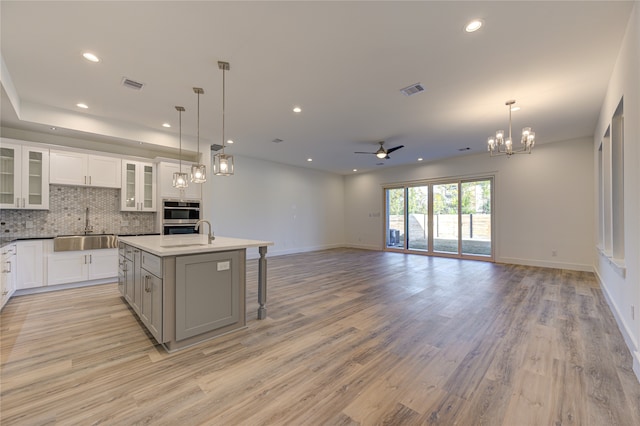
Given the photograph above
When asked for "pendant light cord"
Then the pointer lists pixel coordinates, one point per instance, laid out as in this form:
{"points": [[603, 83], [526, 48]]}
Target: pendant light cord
{"points": [[223, 96], [198, 126]]}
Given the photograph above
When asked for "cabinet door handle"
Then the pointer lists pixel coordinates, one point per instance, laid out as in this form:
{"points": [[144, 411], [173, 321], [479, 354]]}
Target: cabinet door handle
{"points": [[8, 267], [23, 203], [85, 180], [89, 180], [90, 258], [146, 283]]}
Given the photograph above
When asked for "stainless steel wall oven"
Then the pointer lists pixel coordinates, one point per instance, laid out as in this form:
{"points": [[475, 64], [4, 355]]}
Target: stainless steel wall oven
{"points": [[180, 216]]}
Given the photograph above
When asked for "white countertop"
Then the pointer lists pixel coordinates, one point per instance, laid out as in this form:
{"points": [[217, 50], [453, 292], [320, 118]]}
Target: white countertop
{"points": [[176, 245]]}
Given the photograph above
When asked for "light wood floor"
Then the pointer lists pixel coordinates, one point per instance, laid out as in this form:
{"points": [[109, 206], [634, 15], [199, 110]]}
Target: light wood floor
{"points": [[352, 337]]}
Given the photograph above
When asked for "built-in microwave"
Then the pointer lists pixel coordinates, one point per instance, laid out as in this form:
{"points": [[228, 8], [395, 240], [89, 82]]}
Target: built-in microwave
{"points": [[179, 229], [180, 211], [180, 216]]}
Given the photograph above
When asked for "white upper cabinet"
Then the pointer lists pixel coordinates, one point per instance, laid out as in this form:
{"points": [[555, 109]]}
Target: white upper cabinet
{"points": [[79, 169], [24, 176], [138, 186], [165, 182]]}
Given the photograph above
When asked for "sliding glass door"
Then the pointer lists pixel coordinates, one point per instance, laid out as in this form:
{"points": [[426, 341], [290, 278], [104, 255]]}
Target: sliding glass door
{"points": [[475, 204], [448, 218], [395, 208], [418, 218], [445, 218]]}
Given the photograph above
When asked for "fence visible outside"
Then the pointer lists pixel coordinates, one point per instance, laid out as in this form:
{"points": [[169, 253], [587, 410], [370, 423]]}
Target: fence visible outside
{"points": [[476, 232]]}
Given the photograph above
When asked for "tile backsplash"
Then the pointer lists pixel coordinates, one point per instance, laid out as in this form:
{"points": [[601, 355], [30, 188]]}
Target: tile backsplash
{"points": [[67, 215]]}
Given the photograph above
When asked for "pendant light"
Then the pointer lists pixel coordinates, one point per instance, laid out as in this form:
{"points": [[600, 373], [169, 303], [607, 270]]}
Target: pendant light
{"points": [[223, 163], [179, 178], [198, 171]]}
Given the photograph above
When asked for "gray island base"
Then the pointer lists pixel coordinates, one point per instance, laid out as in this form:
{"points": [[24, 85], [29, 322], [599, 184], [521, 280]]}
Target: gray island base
{"points": [[186, 290]]}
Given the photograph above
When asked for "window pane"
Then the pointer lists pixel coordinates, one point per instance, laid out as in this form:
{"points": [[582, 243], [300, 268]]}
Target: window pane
{"points": [[476, 217], [395, 218], [418, 209], [445, 218]]}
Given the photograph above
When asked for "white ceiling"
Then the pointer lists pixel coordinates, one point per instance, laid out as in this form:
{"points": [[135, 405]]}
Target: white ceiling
{"points": [[343, 63]]}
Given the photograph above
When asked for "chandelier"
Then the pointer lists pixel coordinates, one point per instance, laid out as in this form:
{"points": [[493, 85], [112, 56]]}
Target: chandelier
{"points": [[223, 163], [498, 145], [179, 178]]}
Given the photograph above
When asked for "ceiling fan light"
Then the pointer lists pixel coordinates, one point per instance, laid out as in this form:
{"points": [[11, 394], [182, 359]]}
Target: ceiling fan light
{"points": [[381, 154]]}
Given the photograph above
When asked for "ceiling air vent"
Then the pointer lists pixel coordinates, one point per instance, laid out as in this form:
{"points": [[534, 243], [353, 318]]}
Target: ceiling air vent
{"points": [[277, 140], [216, 147], [413, 89], [131, 84]]}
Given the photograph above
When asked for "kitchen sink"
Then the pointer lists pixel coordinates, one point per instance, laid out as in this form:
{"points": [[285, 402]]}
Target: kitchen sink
{"points": [[85, 242]]}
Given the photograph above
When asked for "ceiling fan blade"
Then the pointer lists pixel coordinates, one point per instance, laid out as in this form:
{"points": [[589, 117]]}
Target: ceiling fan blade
{"points": [[395, 148], [360, 152]]}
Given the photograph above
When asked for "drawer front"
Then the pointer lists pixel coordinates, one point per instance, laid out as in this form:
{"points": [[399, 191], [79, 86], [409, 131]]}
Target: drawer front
{"points": [[152, 264]]}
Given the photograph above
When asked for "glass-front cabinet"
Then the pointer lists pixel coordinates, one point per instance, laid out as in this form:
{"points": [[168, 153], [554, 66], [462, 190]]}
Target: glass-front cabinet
{"points": [[138, 186], [24, 176]]}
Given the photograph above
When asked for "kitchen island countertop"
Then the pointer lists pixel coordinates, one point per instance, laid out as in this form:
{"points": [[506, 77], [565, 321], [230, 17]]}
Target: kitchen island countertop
{"points": [[176, 245]]}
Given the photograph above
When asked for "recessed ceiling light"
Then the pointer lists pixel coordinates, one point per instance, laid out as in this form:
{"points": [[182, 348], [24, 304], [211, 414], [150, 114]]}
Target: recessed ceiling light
{"points": [[90, 57], [167, 125], [515, 108], [81, 105], [420, 159], [297, 109], [355, 170], [473, 26], [53, 128], [309, 159]]}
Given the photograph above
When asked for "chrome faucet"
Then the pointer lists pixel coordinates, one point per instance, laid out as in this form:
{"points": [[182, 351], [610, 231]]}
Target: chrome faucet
{"points": [[211, 236], [87, 228]]}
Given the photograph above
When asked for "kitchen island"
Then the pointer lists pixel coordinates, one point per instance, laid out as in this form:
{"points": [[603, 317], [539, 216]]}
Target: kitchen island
{"points": [[186, 289]]}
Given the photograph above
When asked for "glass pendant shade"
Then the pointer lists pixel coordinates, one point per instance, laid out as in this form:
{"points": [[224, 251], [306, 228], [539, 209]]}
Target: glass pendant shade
{"points": [[223, 164], [198, 173], [180, 180]]}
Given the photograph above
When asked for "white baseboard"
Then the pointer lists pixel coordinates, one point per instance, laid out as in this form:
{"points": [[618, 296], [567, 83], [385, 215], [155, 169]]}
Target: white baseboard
{"points": [[626, 334], [363, 247], [546, 264], [49, 288], [273, 251]]}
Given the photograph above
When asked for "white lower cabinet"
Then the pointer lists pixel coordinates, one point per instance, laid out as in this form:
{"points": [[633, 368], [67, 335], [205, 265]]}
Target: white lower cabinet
{"points": [[7, 273], [30, 264], [76, 266]]}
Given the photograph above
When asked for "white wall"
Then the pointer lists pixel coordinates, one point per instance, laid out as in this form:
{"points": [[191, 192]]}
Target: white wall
{"points": [[543, 202], [622, 285], [297, 208]]}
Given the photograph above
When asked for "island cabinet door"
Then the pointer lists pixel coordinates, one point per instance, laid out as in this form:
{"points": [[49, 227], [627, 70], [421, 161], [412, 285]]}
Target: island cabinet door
{"points": [[129, 274], [151, 304], [207, 292]]}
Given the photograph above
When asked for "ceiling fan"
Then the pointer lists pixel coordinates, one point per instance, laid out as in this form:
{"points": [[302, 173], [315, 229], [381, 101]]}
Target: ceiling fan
{"points": [[381, 152]]}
